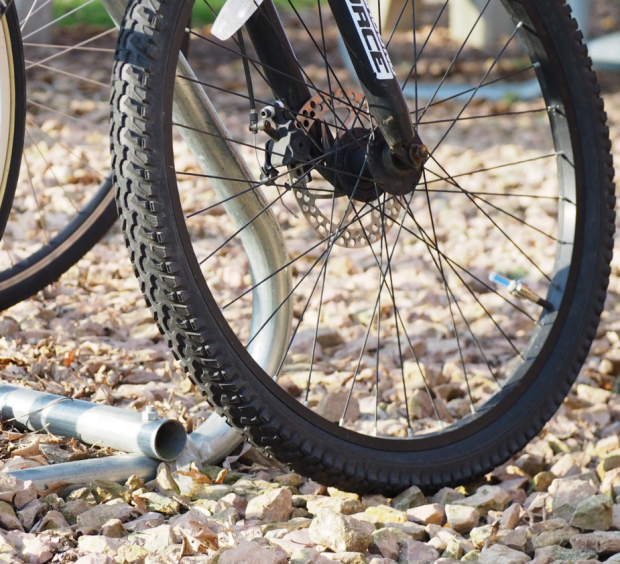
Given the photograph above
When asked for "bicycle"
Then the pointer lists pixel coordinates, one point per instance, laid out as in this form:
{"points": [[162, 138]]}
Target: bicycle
{"points": [[377, 310]]}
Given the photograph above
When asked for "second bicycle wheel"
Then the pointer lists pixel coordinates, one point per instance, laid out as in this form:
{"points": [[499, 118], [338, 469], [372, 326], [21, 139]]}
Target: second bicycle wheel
{"points": [[64, 202], [12, 110], [422, 338]]}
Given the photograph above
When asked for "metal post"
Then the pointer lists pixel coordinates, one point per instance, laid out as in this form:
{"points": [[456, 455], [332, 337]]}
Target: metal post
{"points": [[391, 12], [38, 14], [494, 24]]}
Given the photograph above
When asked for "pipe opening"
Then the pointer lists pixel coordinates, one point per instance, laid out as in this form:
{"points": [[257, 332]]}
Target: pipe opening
{"points": [[170, 440]]}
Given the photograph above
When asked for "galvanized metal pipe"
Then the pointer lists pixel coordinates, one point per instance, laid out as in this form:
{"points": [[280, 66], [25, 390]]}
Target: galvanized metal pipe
{"points": [[112, 468], [117, 428], [211, 442]]}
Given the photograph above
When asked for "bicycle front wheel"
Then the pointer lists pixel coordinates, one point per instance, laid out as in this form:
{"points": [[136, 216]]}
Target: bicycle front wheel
{"points": [[433, 332]]}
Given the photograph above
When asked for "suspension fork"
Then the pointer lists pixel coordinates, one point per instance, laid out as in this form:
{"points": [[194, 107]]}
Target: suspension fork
{"points": [[370, 59]]}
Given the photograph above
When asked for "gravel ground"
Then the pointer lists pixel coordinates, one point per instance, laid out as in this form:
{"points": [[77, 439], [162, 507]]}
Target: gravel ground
{"points": [[91, 336]]}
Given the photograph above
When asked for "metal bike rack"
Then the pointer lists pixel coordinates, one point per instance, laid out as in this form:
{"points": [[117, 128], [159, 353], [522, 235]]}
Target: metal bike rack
{"points": [[149, 440]]}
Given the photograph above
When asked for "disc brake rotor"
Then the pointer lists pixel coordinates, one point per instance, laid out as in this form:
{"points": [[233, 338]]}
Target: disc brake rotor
{"points": [[340, 113]]}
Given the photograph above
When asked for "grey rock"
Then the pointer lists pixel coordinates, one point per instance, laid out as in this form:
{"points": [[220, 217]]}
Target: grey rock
{"points": [[516, 539], [553, 553], [271, 507], [53, 521], [30, 514], [446, 496], [593, 514], [146, 521], [415, 552], [312, 488], [479, 535], [340, 533], [498, 554], [73, 508], [385, 543], [615, 517], [462, 518], [346, 557], [95, 559], [427, 514], [487, 498], [549, 538], [411, 497], [99, 545], [246, 552], [339, 505], [333, 404], [453, 551], [600, 542], [8, 519], [566, 494], [159, 538], [114, 528], [95, 518], [412, 530], [510, 517]]}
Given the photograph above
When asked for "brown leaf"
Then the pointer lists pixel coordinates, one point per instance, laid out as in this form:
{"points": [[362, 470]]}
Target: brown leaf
{"points": [[69, 358], [29, 450], [198, 476], [7, 360], [221, 476]]}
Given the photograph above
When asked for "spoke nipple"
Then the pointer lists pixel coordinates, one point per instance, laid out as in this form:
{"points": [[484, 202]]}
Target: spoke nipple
{"points": [[341, 422]]}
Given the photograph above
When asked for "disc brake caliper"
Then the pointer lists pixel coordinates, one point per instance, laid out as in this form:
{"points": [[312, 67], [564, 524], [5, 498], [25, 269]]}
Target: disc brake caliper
{"points": [[287, 147]]}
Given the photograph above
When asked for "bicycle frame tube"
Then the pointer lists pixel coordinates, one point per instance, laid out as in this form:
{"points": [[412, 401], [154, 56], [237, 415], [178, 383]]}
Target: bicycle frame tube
{"points": [[370, 59]]}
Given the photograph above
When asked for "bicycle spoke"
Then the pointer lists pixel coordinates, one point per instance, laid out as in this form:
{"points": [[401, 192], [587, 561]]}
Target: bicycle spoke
{"points": [[486, 74], [69, 151], [488, 169], [70, 74], [36, 200], [75, 48], [69, 50], [54, 110], [455, 59], [417, 59], [484, 116], [51, 169], [503, 232], [54, 22], [473, 88]]}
